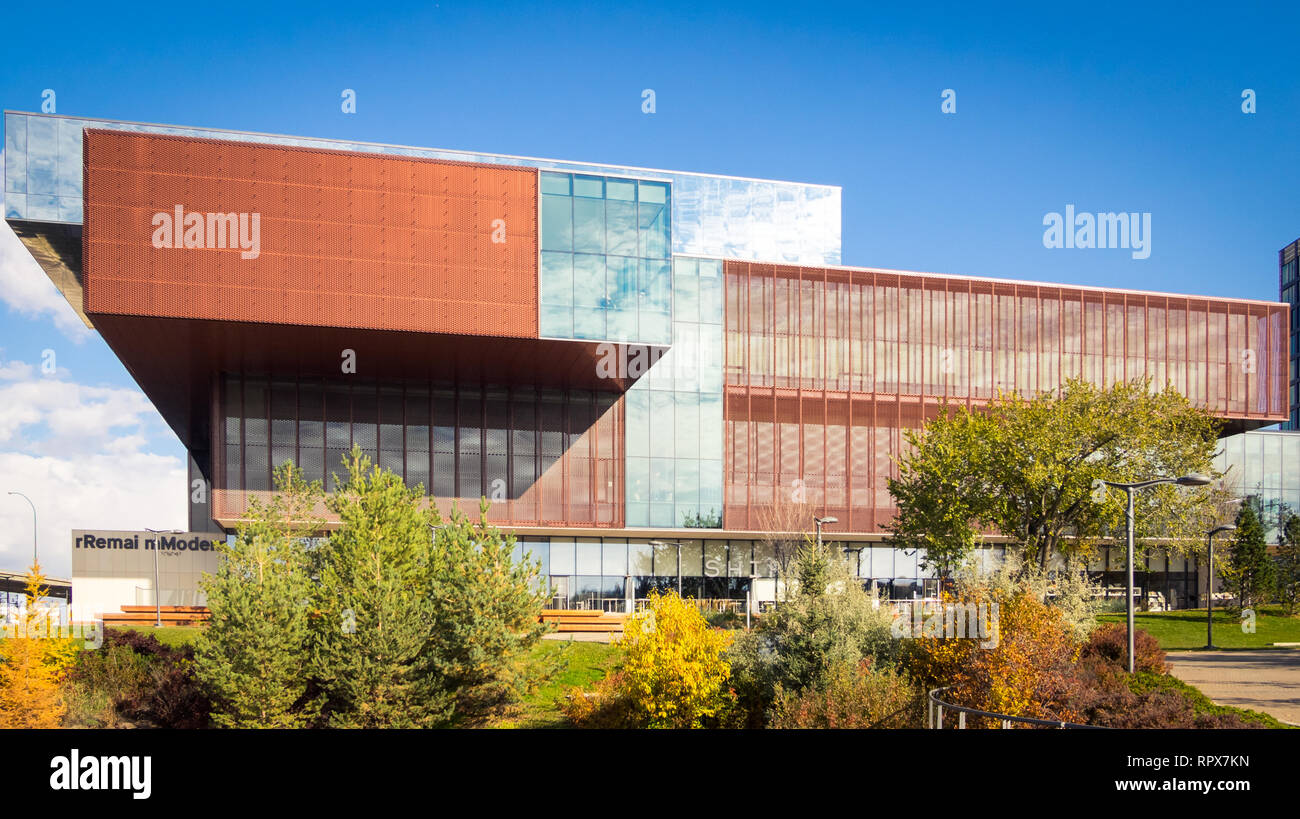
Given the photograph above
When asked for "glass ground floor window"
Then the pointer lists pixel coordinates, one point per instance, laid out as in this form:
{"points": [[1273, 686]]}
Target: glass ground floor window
{"points": [[615, 574]]}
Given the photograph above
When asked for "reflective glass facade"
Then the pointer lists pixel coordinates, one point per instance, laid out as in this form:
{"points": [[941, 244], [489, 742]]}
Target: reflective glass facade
{"points": [[1289, 284], [612, 572], [605, 269], [674, 413], [751, 219], [42, 168], [1266, 464]]}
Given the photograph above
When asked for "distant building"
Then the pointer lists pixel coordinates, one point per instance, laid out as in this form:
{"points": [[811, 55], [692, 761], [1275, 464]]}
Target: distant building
{"points": [[1264, 464], [1288, 261]]}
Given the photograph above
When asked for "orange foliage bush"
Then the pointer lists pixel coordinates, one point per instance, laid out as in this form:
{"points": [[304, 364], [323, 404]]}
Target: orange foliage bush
{"points": [[1025, 674]]}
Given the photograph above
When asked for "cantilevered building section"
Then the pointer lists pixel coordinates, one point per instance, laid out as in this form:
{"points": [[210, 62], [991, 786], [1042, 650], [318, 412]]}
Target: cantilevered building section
{"points": [[630, 364]]}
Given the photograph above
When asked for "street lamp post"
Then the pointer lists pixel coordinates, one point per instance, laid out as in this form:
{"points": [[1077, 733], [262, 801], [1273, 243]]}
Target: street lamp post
{"points": [[1209, 582], [820, 522], [1193, 479], [157, 599], [29, 502]]}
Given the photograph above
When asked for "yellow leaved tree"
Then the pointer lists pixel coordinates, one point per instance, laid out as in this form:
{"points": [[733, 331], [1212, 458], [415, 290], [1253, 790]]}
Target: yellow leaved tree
{"points": [[33, 659], [674, 674]]}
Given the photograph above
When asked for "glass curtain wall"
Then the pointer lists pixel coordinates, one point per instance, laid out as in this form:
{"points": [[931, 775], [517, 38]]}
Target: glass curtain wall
{"points": [[606, 255], [674, 412], [598, 573], [1264, 464], [1289, 284]]}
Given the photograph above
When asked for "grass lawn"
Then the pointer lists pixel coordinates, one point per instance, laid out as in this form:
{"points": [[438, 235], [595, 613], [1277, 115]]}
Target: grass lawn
{"points": [[585, 663], [174, 636], [1186, 629]]}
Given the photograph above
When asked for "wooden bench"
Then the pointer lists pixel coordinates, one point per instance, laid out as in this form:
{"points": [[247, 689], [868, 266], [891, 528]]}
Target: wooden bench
{"points": [[168, 615], [141, 617], [573, 621]]}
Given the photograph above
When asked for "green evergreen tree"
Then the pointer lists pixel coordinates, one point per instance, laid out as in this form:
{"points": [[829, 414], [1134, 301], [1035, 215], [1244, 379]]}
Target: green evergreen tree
{"points": [[1249, 568], [829, 621], [1288, 563], [486, 607], [251, 656], [372, 639]]}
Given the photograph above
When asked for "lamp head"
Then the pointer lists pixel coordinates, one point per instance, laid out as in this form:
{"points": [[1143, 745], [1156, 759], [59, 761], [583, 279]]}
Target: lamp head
{"points": [[1193, 479]]}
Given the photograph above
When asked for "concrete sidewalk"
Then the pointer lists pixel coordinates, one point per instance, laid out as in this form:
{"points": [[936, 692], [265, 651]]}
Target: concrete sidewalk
{"points": [[1265, 680]]}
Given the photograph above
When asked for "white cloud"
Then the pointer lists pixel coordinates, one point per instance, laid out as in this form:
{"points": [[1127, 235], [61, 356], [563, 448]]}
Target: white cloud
{"points": [[94, 491], [50, 416], [27, 290], [15, 370], [78, 452]]}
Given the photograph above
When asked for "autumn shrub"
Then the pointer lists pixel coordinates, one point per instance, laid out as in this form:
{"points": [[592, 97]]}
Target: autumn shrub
{"points": [[1109, 642], [673, 675], [730, 619], [1038, 669], [1070, 590], [607, 705], [1207, 713], [99, 681], [170, 696], [1025, 670], [1103, 693], [861, 696]]}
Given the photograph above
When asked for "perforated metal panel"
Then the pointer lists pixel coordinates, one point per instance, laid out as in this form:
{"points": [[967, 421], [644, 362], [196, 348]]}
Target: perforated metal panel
{"points": [[826, 366], [542, 457], [346, 239]]}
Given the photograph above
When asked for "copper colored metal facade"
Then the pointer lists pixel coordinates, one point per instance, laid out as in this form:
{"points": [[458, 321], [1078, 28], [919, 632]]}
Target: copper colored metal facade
{"points": [[825, 368], [346, 239]]}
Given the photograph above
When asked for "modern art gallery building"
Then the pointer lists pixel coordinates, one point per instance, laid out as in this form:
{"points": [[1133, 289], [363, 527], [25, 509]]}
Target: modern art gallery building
{"points": [[634, 366]]}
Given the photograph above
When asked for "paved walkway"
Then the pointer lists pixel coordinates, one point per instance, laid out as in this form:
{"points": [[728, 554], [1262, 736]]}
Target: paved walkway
{"points": [[1265, 680]]}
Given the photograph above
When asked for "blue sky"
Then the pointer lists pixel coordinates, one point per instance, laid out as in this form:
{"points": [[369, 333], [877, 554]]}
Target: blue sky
{"points": [[1107, 107]]}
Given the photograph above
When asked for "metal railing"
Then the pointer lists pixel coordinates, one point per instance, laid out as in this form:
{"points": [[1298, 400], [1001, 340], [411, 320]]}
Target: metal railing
{"points": [[144, 596], [705, 605], [619, 604], [936, 707]]}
